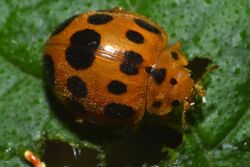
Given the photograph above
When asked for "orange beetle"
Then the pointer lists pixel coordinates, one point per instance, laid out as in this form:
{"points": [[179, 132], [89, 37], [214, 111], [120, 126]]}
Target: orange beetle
{"points": [[110, 66]]}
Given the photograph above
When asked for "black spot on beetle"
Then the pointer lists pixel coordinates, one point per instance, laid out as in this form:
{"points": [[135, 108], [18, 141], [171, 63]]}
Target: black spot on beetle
{"points": [[80, 58], [117, 87], [77, 87], [134, 36], [173, 81], [116, 110], [130, 63], [175, 103], [63, 25], [129, 69], [175, 55], [81, 53], [98, 19], [145, 25], [157, 104], [133, 57], [158, 74], [76, 106], [86, 38]]}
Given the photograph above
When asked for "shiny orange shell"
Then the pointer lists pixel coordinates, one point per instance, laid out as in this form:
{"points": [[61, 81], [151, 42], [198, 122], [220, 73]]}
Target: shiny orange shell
{"points": [[111, 66]]}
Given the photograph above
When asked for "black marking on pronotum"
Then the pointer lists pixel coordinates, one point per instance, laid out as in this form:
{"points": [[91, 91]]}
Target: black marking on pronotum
{"points": [[174, 55], [158, 74], [173, 81]]}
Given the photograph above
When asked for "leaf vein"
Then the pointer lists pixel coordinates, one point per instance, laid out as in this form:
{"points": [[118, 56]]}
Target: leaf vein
{"points": [[201, 146], [19, 68]]}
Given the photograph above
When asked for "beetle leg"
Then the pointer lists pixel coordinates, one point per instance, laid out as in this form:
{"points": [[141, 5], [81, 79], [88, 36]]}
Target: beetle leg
{"points": [[186, 106], [200, 89]]}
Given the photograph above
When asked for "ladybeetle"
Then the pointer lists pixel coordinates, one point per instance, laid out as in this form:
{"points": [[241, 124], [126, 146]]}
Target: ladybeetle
{"points": [[110, 66]]}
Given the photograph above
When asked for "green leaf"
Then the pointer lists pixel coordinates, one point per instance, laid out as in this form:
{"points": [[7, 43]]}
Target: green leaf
{"points": [[219, 30]]}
